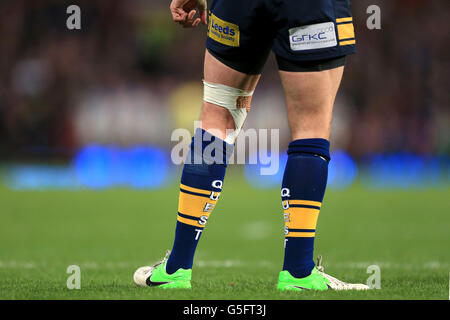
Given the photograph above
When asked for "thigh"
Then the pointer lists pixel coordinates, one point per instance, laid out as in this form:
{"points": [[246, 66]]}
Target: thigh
{"points": [[310, 98]]}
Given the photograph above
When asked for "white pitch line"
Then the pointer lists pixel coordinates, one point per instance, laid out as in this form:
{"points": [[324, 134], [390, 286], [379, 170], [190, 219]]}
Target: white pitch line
{"points": [[435, 265], [18, 264]]}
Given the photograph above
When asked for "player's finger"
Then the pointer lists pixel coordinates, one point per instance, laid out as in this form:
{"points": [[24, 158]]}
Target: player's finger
{"points": [[179, 17], [196, 22], [190, 19], [178, 14], [191, 15], [192, 24], [202, 11], [203, 16]]}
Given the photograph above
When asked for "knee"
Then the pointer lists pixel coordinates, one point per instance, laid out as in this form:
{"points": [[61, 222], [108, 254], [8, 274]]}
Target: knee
{"points": [[216, 120]]}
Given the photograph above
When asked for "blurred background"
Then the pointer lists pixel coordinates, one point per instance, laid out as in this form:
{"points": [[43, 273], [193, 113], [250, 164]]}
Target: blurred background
{"points": [[95, 108], [86, 177]]}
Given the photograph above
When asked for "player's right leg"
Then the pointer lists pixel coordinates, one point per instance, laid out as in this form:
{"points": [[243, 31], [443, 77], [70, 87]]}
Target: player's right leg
{"points": [[202, 182], [231, 72], [237, 50], [217, 119], [203, 173]]}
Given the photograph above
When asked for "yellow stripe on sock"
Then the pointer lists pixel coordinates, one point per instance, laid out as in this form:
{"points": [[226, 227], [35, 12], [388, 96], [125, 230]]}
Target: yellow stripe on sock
{"points": [[301, 234], [301, 218], [306, 202], [190, 222], [191, 189], [195, 206]]}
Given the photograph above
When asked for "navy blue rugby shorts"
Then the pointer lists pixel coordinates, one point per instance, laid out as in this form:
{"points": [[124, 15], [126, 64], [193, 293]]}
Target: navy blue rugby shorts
{"points": [[300, 32]]}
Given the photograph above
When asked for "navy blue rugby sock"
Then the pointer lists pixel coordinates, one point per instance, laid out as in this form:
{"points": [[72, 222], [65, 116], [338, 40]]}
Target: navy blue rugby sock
{"points": [[201, 185], [303, 189]]}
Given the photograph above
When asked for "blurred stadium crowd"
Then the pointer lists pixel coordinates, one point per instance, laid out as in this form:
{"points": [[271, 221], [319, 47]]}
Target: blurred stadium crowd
{"points": [[130, 76]]}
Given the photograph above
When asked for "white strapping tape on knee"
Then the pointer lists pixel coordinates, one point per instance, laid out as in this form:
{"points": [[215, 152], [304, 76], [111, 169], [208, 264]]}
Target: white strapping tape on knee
{"points": [[237, 101]]}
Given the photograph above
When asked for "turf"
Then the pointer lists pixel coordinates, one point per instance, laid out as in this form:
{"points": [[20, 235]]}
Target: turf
{"points": [[110, 233]]}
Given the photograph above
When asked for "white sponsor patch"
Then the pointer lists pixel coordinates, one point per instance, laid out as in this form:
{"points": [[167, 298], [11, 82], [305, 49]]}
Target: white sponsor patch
{"points": [[313, 36]]}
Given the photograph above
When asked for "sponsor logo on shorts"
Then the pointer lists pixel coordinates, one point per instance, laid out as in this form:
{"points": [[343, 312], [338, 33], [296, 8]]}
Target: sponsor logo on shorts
{"points": [[314, 36], [224, 32]]}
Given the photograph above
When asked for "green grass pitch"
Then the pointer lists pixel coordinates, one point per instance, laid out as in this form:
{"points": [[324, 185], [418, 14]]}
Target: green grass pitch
{"points": [[110, 233]]}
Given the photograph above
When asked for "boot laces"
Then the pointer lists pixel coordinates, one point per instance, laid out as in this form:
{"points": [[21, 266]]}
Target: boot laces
{"points": [[166, 257], [334, 283]]}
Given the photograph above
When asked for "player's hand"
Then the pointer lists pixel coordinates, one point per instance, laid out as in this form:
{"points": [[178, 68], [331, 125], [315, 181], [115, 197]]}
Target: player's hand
{"points": [[183, 12]]}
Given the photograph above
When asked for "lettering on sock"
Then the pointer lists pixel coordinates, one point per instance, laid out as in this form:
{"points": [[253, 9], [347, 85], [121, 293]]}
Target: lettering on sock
{"points": [[198, 233], [208, 207], [203, 220], [214, 196]]}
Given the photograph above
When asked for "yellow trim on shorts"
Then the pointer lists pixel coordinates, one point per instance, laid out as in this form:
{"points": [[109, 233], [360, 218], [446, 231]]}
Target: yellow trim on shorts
{"points": [[347, 19], [345, 43], [346, 31]]}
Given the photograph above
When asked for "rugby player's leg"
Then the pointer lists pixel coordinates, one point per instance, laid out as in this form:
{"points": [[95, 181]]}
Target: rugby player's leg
{"points": [[216, 119], [201, 183], [310, 97]]}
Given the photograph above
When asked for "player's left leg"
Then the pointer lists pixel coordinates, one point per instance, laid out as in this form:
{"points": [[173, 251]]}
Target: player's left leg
{"points": [[239, 41], [313, 39], [310, 98], [212, 145]]}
